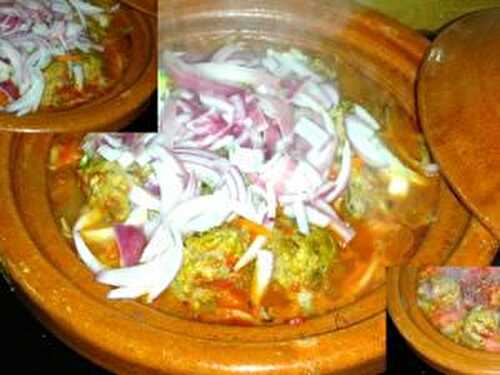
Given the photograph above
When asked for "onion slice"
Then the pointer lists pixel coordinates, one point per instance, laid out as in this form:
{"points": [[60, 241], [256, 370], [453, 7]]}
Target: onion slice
{"points": [[262, 276]]}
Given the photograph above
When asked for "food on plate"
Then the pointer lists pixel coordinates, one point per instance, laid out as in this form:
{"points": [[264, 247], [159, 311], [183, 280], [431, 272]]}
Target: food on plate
{"points": [[59, 54], [463, 304], [266, 198]]}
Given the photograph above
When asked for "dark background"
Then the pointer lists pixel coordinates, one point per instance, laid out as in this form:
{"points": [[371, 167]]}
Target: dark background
{"points": [[148, 120], [400, 357]]}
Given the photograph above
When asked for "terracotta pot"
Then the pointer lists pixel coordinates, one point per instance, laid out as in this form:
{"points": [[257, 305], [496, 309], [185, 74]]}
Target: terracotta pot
{"points": [[132, 338], [437, 350], [117, 108]]}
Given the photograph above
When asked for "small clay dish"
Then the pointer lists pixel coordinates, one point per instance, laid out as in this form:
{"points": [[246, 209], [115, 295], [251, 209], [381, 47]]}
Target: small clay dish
{"points": [[435, 348], [129, 337], [458, 99], [116, 108]]}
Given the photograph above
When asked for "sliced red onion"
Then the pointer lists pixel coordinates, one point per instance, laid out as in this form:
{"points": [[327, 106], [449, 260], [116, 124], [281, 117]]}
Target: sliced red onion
{"points": [[305, 178], [301, 216], [332, 93], [168, 122], [143, 198], [170, 161], [206, 172], [337, 225], [277, 171], [131, 241], [295, 62], [251, 253], [278, 110], [235, 178], [315, 91], [262, 276], [323, 158], [126, 159], [9, 89], [342, 179], [109, 153], [88, 219], [149, 278], [192, 187], [137, 217], [225, 53], [367, 143], [190, 78], [365, 116], [239, 107], [272, 203], [147, 273], [171, 187], [30, 100], [234, 74], [221, 104], [248, 160], [200, 214], [247, 210], [318, 217], [126, 292], [86, 255], [311, 132], [223, 142]]}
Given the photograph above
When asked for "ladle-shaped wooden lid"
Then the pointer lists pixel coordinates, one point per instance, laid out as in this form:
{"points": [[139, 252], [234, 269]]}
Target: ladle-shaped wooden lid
{"points": [[459, 107]]}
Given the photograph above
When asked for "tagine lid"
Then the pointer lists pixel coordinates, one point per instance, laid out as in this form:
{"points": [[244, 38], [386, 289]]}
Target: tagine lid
{"points": [[459, 107]]}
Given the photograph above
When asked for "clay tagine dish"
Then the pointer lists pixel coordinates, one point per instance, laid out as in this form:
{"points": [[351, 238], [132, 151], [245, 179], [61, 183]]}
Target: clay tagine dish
{"points": [[376, 60]]}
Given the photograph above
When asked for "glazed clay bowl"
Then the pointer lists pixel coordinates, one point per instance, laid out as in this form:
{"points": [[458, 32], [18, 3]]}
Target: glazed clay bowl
{"points": [[437, 350], [115, 109], [132, 338]]}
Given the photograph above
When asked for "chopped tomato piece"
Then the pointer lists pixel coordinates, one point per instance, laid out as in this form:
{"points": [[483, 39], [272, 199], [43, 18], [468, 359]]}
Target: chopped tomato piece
{"points": [[4, 99], [68, 58], [64, 153], [254, 229]]}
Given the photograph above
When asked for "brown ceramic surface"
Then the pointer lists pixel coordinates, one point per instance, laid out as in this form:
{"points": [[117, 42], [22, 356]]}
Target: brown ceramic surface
{"points": [[147, 6], [117, 108], [440, 352], [458, 97], [131, 338]]}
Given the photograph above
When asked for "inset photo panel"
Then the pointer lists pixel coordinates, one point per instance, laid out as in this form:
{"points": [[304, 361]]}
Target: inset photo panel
{"points": [[444, 319], [77, 66]]}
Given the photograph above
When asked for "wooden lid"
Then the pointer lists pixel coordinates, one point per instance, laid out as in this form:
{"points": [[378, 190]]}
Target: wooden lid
{"points": [[459, 107]]}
